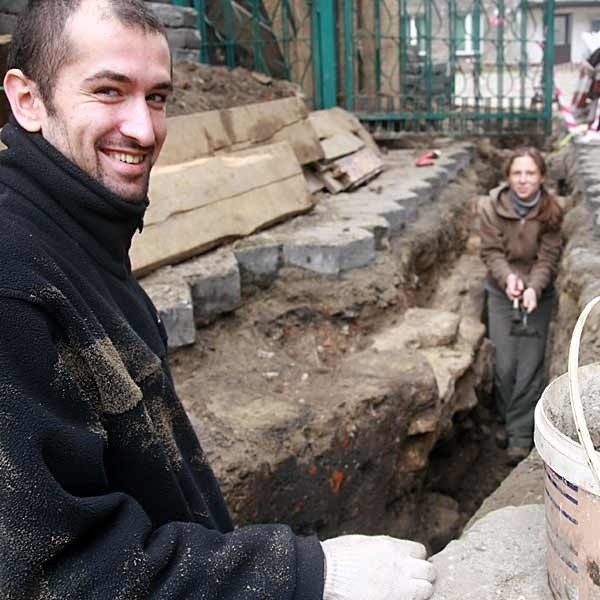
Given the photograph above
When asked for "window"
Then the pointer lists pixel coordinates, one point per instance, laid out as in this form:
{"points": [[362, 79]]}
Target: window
{"points": [[595, 25], [464, 34], [417, 33], [561, 30]]}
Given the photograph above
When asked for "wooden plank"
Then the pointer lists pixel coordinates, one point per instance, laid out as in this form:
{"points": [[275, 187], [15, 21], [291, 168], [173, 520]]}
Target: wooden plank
{"points": [[358, 168], [331, 184], [198, 205], [184, 187], [209, 133], [341, 144], [328, 123], [313, 182]]}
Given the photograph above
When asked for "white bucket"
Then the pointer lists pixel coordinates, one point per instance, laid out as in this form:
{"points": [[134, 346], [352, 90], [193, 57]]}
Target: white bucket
{"points": [[571, 485]]}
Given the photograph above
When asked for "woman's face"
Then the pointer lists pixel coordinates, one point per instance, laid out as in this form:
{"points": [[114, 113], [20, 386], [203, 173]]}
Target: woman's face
{"points": [[524, 178]]}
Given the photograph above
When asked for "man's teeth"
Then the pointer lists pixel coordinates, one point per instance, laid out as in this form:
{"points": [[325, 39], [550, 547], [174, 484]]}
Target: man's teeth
{"points": [[128, 158]]}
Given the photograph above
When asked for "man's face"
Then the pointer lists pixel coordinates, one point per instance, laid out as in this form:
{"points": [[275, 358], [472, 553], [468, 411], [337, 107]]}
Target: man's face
{"points": [[109, 102]]}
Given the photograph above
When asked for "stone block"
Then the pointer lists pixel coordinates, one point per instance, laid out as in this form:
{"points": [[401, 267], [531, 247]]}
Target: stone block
{"points": [[462, 159], [7, 23], [215, 282], [184, 38], [377, 225], [13, 6], [501, 556], [173, 299], [174, 16], [329, 250], [258, 258], [352, 205], [420, 328], [183, 54], [597, 224], [592, 195], [437, 176], [590, 176], [405, 192]]}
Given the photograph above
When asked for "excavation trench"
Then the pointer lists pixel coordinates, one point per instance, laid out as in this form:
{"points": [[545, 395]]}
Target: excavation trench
{"points": [[359, 403]]}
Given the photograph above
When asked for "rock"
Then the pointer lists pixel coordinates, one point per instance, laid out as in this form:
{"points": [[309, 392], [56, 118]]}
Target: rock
{"points": [[184, 38], [448, 365], [173, 299], [174, 16], [502, 556], [420, 328], [471, 332], [215, 282], [258, 258], [329, 250]]}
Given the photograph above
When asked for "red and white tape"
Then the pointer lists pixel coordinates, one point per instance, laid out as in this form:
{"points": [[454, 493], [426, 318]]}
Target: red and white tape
{"points": [[565, 110]]}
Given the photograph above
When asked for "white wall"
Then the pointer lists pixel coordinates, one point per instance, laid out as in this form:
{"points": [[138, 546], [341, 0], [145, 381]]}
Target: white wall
{"points": [[582, 21]]}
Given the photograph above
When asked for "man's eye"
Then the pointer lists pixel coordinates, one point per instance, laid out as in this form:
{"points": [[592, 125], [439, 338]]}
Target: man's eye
{"points": [[110, 92], [157, 98]]}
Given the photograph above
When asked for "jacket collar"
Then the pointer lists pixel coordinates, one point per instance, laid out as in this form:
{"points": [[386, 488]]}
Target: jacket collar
{"points": [[99, 220], [505, 208]]}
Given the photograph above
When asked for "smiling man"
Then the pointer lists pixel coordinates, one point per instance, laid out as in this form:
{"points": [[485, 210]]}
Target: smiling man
{"points": [[105, 492]]}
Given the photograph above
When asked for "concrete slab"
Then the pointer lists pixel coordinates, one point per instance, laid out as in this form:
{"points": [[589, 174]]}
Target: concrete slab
{"points": [[592, 195], [172, 297], [374, 223], [367, 203], [502, 556], [259, 258], [329, 250], [214, 279], [405, 192]]}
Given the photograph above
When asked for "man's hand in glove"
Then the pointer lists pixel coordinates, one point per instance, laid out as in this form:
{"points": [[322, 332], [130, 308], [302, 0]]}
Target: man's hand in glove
{"points": [[360, 567]]}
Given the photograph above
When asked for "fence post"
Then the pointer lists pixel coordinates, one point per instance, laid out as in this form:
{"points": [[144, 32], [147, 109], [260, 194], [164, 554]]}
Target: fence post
{"points": [[349, 53], [325, 60], [549, 63]]}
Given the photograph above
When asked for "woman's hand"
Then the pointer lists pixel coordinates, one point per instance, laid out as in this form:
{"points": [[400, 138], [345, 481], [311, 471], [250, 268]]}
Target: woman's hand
{"points": [[514, 286], [529, 300]]}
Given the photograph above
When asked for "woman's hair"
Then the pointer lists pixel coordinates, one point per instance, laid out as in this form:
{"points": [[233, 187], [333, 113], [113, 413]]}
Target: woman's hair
{"points": [[551, 213]]}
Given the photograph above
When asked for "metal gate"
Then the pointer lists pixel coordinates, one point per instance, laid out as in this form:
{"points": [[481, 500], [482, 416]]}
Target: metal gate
{"points": [[455, 66]]}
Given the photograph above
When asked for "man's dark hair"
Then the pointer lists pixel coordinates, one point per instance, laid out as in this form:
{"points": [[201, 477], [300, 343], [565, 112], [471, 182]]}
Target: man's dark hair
{"points": [[40, 46]]}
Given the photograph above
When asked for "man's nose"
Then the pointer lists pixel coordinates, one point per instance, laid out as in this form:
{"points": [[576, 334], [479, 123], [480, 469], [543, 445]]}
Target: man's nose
{"points": [[137, 123]]}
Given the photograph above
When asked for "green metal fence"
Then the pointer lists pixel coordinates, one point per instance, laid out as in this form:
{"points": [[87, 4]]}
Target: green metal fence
{"points": [[457, 66]]}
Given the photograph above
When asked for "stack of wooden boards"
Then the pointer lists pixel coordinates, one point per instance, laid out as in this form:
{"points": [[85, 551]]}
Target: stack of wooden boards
{"points": [[351, 156], [228, 173]]}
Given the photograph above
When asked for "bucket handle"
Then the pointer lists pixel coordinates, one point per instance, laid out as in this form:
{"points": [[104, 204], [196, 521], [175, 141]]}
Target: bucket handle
{"points": [[575, 392]]}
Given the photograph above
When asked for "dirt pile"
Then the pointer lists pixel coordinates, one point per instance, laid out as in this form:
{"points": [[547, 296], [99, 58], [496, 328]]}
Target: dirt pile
{"points": [[199, 87]]}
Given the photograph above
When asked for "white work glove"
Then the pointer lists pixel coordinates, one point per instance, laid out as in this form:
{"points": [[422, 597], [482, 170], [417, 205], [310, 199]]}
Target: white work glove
{"points": [[360, 567]]}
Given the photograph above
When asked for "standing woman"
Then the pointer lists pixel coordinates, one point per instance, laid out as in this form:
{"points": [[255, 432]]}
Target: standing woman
{"points": [[520, 246]]}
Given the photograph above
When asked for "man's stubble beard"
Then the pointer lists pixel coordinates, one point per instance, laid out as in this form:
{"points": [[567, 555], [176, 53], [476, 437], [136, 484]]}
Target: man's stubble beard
{"points": [[62, 143]]}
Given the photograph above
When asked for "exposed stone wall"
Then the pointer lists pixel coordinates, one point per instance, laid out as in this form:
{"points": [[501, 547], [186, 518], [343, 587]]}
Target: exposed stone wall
{"points": [[579, 280], [180, 22], [9, 9]]}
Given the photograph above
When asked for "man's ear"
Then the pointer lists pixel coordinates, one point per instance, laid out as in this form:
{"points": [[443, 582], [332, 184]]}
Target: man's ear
{"points": [[25, 101]]}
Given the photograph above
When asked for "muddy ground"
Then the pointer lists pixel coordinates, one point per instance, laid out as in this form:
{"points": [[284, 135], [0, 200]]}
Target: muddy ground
{"points": [[286, 343], [199, 87]]}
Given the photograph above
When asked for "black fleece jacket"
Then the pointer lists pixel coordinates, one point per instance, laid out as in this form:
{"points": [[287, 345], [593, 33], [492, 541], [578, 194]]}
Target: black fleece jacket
{"points": [[105, 492]]}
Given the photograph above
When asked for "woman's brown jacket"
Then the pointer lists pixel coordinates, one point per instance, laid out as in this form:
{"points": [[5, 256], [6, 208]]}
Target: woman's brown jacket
{"points": [[511, 244]]}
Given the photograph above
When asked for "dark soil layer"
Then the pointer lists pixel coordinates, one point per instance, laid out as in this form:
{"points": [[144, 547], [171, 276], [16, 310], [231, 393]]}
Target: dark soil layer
{"points": [[199, 87]]}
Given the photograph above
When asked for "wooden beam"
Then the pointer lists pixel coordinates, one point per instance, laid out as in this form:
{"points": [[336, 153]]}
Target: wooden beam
{"points": [[196, 206]]}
